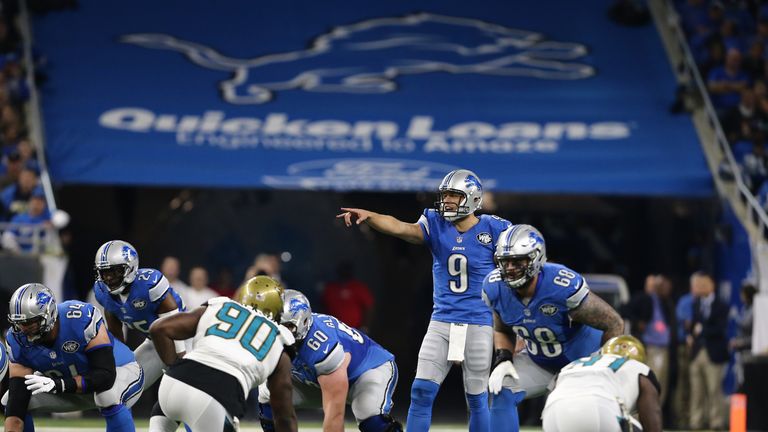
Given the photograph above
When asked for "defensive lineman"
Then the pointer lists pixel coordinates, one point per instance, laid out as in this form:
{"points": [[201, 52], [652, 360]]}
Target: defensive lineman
{"points": [[236, 347], [600, 392]]}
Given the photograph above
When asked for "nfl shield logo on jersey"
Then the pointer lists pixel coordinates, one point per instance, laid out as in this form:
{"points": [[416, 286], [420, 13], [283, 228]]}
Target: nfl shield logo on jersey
{"points": [[70, 346], [139, 303], [548, 309], [484, 238]]}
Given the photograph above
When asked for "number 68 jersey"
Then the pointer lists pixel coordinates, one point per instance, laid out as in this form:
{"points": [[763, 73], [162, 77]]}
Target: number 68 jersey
{"points": [[551, 338], [240, 341]]}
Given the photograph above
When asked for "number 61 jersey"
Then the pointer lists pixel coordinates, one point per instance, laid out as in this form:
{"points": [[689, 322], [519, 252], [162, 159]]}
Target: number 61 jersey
{"points": [[551, 338], [238, 340]]}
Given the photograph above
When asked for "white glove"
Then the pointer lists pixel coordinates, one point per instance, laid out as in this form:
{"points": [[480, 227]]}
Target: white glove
{"points": [[504, 369], [40, 384]]}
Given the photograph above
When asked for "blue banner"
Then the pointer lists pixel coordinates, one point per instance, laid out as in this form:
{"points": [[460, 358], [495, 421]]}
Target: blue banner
{"points": [[363, 96]]}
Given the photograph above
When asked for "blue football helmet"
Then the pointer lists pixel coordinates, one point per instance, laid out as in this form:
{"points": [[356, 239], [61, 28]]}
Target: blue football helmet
{"points": [[297, 314], [520, 254], [465, 183], [32, 304], [116, 264]]}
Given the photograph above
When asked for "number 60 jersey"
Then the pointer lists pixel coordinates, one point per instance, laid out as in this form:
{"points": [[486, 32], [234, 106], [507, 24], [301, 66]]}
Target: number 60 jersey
{"points": [[551, 338], [238, 340]]}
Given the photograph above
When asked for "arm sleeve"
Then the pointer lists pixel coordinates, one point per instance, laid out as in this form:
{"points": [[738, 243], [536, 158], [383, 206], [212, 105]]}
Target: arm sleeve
{"points": [[101, 370]]}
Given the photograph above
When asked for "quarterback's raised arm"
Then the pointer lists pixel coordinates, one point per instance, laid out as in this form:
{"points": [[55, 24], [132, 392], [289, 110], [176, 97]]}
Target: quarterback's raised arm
{"points": [[595, 312], [410, 232], [176, 327]]}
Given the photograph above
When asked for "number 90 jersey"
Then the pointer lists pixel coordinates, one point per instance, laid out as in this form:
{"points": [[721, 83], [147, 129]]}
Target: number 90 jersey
{"points": [[240, 341], [551, 338], [460, 261], [324, 346]]}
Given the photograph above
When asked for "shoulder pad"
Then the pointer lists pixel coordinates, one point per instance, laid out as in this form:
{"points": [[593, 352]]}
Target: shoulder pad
{"points": [[219, 300]]}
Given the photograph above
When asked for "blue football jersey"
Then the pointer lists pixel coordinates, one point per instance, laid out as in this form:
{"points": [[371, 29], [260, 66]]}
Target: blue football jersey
{"points": [[3, 361], [79, 323], [460, 261], [145, 294], [325, 344], [551, 338]]}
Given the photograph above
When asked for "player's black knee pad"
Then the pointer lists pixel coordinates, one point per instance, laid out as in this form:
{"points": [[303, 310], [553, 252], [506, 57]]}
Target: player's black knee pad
{"points": [[380, 423]]}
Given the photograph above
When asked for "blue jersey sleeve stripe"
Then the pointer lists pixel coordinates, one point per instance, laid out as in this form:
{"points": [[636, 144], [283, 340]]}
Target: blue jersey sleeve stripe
{"points": [[581, 293], [93, 326], [331, 362], [157, 291], [424, 223]]}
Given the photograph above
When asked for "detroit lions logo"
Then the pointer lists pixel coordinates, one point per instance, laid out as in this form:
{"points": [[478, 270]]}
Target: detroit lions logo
{"points": [[369, 56], [472, 181], [296, 306], [128, 253], [42, 299]]}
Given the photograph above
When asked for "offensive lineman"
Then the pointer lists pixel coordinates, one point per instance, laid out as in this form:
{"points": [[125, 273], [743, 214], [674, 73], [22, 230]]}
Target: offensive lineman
{"points": [[550, 307], [62, 358], [236, 347], [345, 363], [599, 393], [460, 330]]}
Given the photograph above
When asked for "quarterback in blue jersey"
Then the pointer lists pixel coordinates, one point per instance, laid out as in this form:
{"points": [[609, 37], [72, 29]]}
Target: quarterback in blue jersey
{"points": [[134, 297], [62, 358], [462, 246], [550, 307], [345, 363]]}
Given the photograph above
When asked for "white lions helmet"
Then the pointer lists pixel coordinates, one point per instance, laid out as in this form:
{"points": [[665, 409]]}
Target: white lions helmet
{"points": [[465, 183], [297, 314], [116, 264], [32, 304], [520, 254]]}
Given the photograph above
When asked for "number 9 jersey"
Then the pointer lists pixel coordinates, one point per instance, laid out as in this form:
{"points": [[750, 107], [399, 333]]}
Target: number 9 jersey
{"points": [[240, 341], [551, 338], [460, 261]]}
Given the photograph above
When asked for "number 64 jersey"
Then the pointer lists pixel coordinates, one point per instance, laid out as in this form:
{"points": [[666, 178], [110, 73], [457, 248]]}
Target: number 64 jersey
{"points": [[551, 338], [240, 341]]}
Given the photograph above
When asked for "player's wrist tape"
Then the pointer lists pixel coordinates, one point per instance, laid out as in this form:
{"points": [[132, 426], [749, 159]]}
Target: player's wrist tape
{"points": [[500, 356], [65, 385]]}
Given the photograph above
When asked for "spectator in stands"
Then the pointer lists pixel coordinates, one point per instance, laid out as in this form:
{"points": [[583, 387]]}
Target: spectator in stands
{"points": [[741, 345], [755, 163], [15, 197], [27, 233], [754, 62], [729, 32], [267, 265], [740, 122], [28, 155], [171, 269], [11, 169], [652, 318], [726, 82], [709, 354], [682, 399], [199, 292], [348, 298]]}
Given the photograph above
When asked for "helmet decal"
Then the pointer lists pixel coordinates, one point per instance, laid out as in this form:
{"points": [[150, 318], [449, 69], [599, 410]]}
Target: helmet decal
{"points": [[42, 299]]}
